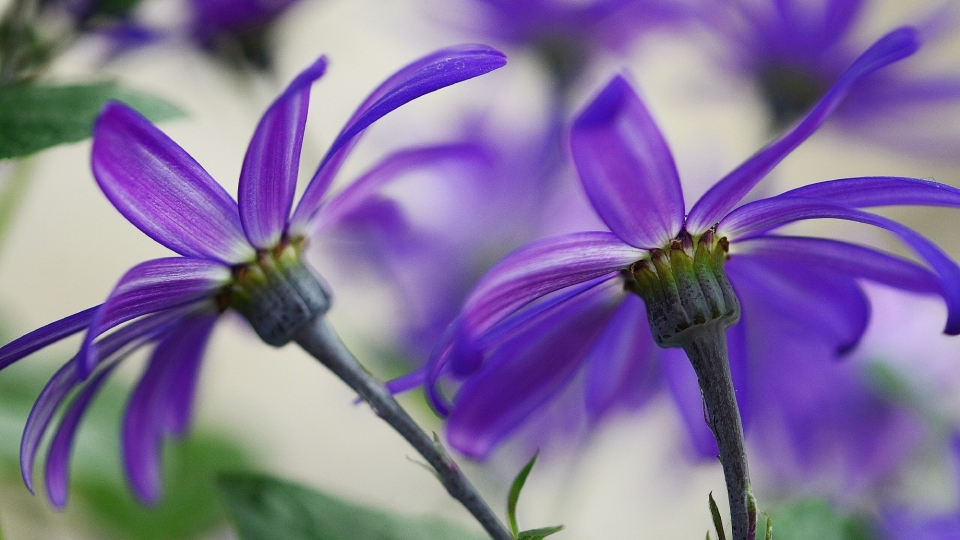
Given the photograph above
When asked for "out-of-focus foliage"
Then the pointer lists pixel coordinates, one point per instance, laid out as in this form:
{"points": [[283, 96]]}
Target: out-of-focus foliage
{"points": [[190, 506], [815, 519], [36, 117], [265, 508]]}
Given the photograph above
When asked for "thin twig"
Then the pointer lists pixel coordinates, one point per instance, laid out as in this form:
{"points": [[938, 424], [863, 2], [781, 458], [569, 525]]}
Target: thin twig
{"points": [[320, 340]]}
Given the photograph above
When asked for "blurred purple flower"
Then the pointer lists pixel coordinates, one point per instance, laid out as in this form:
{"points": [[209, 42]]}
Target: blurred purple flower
{"points": [[559, 311], [564, 34], [229, 250], [904, 524], [237, 29], [795, 50]]}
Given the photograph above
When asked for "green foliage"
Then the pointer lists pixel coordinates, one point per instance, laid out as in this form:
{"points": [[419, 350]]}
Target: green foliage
{"points": [[717, 520], [539, 534], [36, 117], [264, 508], [815, 519], [99, 494], [514, 495]]}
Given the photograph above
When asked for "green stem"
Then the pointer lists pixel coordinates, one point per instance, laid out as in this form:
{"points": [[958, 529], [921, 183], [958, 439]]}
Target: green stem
{"points": [[318, 339], [707, 350]]}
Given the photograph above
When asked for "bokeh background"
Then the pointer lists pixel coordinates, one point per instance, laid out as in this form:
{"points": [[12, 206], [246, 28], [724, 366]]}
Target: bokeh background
{"points": [[67, 246]]}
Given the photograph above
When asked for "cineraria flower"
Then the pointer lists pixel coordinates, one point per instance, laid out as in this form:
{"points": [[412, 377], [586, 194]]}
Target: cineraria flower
{"points": [[244, 255], [564, 303], [565, 34], [795, 50]]}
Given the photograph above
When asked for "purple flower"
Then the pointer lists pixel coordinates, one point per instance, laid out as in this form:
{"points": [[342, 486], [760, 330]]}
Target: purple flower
{"points": [[565, 34], [794, 51], [232, 255], [236, 29], [559, 311]]}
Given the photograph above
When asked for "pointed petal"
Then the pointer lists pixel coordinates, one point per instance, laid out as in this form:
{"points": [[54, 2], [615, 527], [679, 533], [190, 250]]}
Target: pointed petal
{"points": [[58, 457], [725, 195], [163, 191], [430, 73], [540, 268], [389, 169], [627, 169], [268, 178], [850, 259], [41, 337], [186, 355], [527, 371], [826, 305], [152, 286], [871, 191], [621, 367], [120, 343], [754, 218]]}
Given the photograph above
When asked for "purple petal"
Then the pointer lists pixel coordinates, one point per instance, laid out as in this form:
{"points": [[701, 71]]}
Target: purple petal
{"points": [[828, 305], [389, 169], [525, 372], [850, 259], [180, 395], [621, 367], [58, 457], [723, 196], [152, 286], [758, 216], [162, 401], [41, 337], [881, 191], [540, 268], [627, 169], [120, 343], [268, 178], [163, 191], [430, 73]]}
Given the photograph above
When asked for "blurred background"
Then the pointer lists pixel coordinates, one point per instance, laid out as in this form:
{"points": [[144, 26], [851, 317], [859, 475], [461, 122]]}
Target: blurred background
{"points": [[278, 411]]}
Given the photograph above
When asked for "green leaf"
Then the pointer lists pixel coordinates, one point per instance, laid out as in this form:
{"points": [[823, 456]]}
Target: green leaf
{"points": [[815, 519], [33, 117], [99, 495], [514, 495], [265, 508], [539, 534], [717, 520]]}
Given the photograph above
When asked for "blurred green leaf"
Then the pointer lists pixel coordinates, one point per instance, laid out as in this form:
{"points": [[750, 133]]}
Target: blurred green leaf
{"points": [[99, 494], [539, 534], [35, 117], [265, 508], [815, 519], [515, 490]]}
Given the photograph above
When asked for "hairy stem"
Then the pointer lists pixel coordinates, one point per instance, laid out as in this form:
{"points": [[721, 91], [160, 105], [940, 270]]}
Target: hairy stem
{"points": [[707, 350], [320, 340]]}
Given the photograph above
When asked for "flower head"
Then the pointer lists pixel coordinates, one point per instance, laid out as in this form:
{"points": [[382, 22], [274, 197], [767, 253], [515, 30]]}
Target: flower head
{"points": [[561, 309], [793, 51], [244, 255]]}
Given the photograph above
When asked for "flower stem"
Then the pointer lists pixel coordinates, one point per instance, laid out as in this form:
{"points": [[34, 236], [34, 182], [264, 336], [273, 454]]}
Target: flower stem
{"points": [[320, 340], [707, 350]]}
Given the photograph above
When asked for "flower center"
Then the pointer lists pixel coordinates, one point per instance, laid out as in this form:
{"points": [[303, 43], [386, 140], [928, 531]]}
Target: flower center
{"points": [[685, 288], [277, 293]]}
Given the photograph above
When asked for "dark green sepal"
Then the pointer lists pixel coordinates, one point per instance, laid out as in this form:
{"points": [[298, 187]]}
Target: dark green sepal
{"points": [[278, 294], [717, 520]]}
